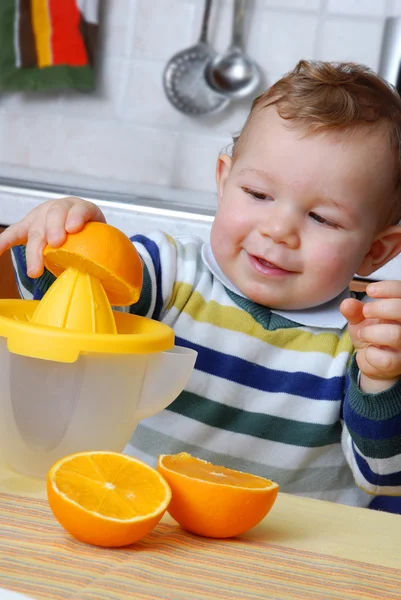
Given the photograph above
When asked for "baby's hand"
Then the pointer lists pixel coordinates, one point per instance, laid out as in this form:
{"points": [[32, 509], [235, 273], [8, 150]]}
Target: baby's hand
{"points": [[48, 223], [375, 329]]}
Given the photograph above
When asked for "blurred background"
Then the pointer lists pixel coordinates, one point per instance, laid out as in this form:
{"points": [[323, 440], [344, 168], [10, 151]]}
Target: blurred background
{"points": [[103, 128], [126, 137]]}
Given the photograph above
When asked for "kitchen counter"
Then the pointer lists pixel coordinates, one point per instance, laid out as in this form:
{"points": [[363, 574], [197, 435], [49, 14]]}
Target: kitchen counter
{"points": [[295, 522], [303, 549], [143, 216]]}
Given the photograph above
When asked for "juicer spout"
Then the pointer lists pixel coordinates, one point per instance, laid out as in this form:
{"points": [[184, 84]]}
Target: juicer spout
{"points": [[166, 376]]}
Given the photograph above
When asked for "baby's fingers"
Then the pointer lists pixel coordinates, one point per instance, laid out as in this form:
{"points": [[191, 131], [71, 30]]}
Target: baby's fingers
{"points": [[80, 213], [385, 308], [34, 253], [68, 215], [13, 236], [384, 289], [54, 226], [382, 334], [379, 363], [352, 310]]}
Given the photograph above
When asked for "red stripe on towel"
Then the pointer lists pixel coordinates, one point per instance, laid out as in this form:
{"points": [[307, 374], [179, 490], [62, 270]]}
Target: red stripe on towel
{"points": [[68, 46]]}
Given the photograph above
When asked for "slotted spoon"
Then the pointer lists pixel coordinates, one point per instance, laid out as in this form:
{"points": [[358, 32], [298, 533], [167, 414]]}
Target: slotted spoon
{"points": [[184, 78]]}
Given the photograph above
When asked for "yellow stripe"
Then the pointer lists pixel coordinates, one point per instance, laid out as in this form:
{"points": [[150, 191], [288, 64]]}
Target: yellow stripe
{"points": [[184, 299], [171, 240], [42, 31]]}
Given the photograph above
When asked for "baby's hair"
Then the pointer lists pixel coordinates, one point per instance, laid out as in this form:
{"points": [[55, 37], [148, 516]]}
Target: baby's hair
{"points": [[325, 96]]}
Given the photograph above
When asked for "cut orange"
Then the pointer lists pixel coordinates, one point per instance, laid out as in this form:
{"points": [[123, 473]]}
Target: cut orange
{"points": [[106, 498], [214, 501], [104, 252]]}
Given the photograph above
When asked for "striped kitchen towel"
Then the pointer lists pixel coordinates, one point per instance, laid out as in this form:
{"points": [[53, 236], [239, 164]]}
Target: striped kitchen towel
{"points": [[47, 44], [38, 558]]}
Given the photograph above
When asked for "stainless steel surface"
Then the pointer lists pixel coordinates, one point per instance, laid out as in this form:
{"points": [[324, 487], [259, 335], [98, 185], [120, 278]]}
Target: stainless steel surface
{"points": [[184, 79], [234, 74], [390, 54], [129, 203]]}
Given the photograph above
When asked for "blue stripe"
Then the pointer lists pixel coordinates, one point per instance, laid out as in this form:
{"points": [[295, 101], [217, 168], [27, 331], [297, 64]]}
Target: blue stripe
{"points": [[21, 273], [261, 378], [371, 429], [154, 253], [345, 392], [392, 479]]}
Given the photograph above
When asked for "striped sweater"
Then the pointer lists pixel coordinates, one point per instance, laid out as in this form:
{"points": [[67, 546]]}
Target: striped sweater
{"points": [[268, 395]]}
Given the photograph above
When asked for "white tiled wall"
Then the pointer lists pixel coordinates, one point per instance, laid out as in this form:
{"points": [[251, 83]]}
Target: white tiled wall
{"points": [[126, 137]]}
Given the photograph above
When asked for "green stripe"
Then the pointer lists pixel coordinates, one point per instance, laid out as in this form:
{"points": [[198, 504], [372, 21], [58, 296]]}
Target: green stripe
{"points": [[261, 314], [387, 448], [266, 427], [45, 281], [303, 481], [142, 307], [375, 407]]}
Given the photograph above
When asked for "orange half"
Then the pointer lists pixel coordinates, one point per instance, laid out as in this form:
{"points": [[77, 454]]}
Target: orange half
{"points": [[106, 498], [104, 252], [214, 501]]}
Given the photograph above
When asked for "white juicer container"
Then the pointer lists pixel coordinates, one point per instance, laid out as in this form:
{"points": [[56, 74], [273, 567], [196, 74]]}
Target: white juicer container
{"points": [[49, 409], [76, 375]]}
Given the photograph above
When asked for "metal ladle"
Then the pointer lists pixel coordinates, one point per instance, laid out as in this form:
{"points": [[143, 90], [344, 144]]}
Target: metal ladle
{"points": [[234, 74], [184, 79]]}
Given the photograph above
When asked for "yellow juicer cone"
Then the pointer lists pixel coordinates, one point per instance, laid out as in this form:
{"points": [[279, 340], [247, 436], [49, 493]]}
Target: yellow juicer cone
{"points": [[95, 268], [76, 301]]}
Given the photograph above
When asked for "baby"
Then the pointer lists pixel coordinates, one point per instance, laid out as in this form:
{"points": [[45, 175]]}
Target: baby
{"points": [[295, 379]]}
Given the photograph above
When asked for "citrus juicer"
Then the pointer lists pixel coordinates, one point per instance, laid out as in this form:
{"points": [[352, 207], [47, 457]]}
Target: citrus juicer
{"points": [[76, 374]]}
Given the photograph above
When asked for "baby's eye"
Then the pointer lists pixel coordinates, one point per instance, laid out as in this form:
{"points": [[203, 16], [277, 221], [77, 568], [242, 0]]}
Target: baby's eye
{"points": [[257, 195], [322, 220]]}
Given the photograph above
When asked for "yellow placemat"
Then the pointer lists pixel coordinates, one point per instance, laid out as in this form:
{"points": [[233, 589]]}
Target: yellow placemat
{"points": [[39, 559]]}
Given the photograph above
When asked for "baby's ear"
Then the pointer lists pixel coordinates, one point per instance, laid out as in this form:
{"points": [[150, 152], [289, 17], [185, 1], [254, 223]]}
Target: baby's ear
{"points": [[223, 168], [385, 246]]}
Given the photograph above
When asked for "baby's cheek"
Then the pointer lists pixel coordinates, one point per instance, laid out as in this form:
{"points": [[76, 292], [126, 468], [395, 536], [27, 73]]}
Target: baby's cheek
{"points": [[331, 262], [232, 230]]}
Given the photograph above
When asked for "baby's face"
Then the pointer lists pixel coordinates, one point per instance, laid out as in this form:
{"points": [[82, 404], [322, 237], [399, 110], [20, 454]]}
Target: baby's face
{"points": [[297, 215]]}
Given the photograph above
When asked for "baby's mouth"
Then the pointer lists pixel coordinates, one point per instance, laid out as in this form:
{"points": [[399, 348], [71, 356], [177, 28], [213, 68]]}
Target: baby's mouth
{"points": [[268, 264], [264, 265]]}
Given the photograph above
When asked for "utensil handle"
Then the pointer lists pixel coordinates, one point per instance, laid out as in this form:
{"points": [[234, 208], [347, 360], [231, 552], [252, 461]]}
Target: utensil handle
{"points": [[390, 54], [205, 21], [238, 23]]}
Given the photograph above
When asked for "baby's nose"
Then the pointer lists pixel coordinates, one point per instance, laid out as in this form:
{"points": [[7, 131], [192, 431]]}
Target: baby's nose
{"points": [[282, 227]]}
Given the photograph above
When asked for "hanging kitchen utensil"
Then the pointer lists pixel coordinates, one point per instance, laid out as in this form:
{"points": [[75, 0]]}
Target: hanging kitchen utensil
{"points": [[234, 74], [184, 77]]}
